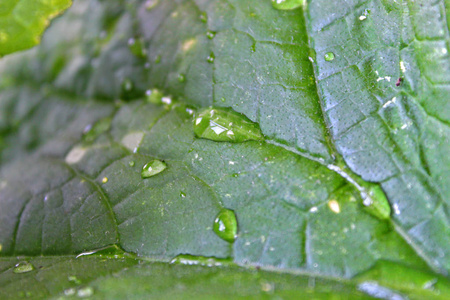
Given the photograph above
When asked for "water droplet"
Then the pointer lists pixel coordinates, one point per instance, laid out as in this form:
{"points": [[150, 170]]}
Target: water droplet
{"points": [[85, 292], [154, 96], [152, 168], [127, 85], [204, 17], [225, 125], [70, 292], [131, 163], [181, 78], [222, 99], [157, 59], [150, 4], [186, 259], [225, 225], [23, 267], [375, 202], [105, 180], [210, 34], [329, 56], [97, 129], [137, 47], [182, 195], [74, 279], [287, 4], [210, 58]]}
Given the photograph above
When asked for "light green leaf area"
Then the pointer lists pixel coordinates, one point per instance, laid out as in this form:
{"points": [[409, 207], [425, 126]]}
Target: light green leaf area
{"points": [[336, 181], [22, 22]]}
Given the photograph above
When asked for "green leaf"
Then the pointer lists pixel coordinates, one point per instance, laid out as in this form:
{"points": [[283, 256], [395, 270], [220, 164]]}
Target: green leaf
{"points": [[22, 22], [338, 171]]}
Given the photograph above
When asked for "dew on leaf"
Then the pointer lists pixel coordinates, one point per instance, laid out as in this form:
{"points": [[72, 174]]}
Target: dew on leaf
{"points": [[181, 78], [186, 259], [225, 125], [211, 58], [329, 56], [225, 225], [375, 202], [131, 163], [104, 179], [182, 195], [154, 96], [287, 4], [210, 34], [153, 168], [85, 292], [137, 47], [204, 17], [23, 267]]}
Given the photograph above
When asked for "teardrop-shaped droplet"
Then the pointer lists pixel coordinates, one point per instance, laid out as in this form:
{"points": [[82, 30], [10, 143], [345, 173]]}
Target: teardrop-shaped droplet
{"points": [[375, 202], [186, 259], [204, 17], [225, 225], [152, 168], [23, 267], [329, 56], [225, 125], [287, 4], [97, 129], [137, 47]]}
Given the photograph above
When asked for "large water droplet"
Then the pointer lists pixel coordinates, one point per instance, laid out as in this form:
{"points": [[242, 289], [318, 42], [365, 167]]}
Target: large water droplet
{"points": [[225, 225], [85, 292], [375, 202], [225, 125], [329, 56], [137, 47], [23, 267], [287, 4], [186, 259], [152, 168]]}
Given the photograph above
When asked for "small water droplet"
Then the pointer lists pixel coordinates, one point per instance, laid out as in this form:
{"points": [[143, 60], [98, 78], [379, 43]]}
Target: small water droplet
{"points": [[211, 58], [74, 279], [287, 4], [85, 292], [210, 34], [104, 179], [181, 78], [186, 259], [225, 225], [329, 56], [150, 4], [183, 195], [152, 168], [137, 47], [157, 59], [23, 267], [204, 17], [222, 99], [131, 163], [127, 85], [154, 96], [70, 292], [225, 125]]}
